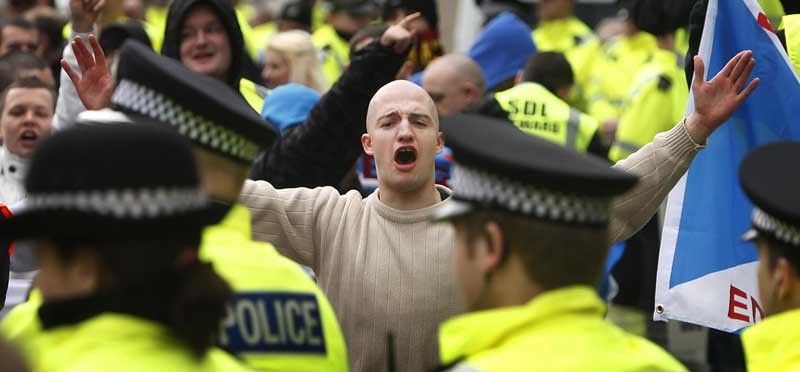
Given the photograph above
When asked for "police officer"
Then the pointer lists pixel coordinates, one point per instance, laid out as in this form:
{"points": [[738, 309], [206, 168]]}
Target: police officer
{"points": [[537, 105], [614, 71], [789, 34], [659, 93], [333, 39], [559, 30], [772, 344], [279, 318], [116, 233], [531, 222]]}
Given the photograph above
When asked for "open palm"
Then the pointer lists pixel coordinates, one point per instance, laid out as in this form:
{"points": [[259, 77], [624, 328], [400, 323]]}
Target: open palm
{"points": [[716, 100], [94, 85]]}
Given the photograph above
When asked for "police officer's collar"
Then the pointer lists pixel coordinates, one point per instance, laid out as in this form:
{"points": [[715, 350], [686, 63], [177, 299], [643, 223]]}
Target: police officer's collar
{"points": [[774, 191], [498, 167]]}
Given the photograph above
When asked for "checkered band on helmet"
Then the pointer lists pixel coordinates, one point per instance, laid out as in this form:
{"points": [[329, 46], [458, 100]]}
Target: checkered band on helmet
{"points": [[148, 102]]}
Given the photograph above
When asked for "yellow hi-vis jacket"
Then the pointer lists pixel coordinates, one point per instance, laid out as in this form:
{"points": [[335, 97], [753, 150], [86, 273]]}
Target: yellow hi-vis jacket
{"points": [[578, 43], [791, 26], [773, 345], [561, 330], [119, 342], [614, 73], [279, 320], [537, 111], [657, 101], [334, 51]]}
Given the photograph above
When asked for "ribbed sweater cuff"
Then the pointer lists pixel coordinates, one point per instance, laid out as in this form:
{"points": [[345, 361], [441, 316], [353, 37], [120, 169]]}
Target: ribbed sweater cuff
{"points": [[681, 145]]}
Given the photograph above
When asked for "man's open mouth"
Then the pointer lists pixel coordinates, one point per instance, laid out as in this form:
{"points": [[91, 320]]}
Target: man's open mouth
{"points": [[405, 155], [28, 135]]}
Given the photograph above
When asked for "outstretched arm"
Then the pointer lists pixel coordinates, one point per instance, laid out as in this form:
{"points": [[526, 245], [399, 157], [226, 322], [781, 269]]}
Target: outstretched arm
{"points": [[661, 163]]}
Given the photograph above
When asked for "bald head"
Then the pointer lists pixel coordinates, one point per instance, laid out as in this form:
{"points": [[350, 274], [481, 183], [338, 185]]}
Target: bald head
{"points": [[400, 95], [455, 82]]}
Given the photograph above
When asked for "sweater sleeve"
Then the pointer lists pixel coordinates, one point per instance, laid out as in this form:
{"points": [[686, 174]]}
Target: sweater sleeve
{"points": [[293, 219], [69, 104], [659, 165]]}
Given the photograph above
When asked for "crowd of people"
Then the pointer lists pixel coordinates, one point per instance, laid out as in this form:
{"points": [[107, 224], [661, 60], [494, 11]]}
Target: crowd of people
{"points": [[300, 185]]}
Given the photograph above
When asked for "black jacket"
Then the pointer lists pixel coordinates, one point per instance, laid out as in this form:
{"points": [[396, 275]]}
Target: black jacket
{"points": [[321, 150], [241, 64]]}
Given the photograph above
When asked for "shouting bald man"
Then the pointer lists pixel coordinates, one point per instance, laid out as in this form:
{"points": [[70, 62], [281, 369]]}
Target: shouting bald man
{"points": [[385, 268]]}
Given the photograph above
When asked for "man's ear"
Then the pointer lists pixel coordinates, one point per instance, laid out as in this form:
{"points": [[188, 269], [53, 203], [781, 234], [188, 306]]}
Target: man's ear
{"points": [[471, 91], [439, 142], [784, 277], [492, 258], [366, 143]]}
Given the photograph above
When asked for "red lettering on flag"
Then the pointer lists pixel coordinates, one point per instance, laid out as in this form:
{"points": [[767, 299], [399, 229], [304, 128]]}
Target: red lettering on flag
{"points": [[733, 304], [764, 22]]}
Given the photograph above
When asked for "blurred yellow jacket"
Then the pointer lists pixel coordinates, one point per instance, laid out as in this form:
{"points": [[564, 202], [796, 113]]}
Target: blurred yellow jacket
{"points": [[559, 330]]}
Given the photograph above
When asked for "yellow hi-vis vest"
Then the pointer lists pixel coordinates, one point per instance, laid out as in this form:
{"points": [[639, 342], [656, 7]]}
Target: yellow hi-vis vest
{"points": [[614, 73], [279, 319], [536, 111], [334, 52], [253, 93], [656, 103], [791, 26], [560, 330], [772, 344], [580, 46]]}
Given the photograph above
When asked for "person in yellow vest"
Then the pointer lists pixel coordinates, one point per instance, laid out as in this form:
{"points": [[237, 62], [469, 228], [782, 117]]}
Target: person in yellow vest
{"points": [[531, 224], [279, 318], [789, 34], [333, 40], [206, 37], [614, 72], [774, 343], [560, 31], [537, 105], [116, 235], [659, 92]]}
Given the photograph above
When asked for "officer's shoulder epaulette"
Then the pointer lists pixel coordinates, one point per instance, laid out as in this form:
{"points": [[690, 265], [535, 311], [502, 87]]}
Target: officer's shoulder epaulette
{"points": [[664, 82]]}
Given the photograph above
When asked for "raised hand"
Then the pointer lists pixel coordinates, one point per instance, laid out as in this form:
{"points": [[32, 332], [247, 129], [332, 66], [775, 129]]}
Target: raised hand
{"points": [[716, 100], [84, 13], [400, 35], [94, 86]]}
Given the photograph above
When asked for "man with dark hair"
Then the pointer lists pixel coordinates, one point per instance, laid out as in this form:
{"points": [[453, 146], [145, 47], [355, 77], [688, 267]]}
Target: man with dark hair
{"points": [[531, 223], [538, 105], [50, 26], [18, 65], [428, 45], [18, 35], [772, 344]]}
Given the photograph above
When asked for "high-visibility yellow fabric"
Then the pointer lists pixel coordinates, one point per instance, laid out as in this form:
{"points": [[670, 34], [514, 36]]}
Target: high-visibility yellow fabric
{"points": [[537, 111], [614, 73], [791, 26], [253, 93], [279, 320], [578, 43], [657, 101], [118, 342], [335, 52], [773, 345], [560, 330]]}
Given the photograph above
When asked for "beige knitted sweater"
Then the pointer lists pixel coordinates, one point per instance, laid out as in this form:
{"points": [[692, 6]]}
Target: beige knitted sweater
{"points": [[389, 271]]}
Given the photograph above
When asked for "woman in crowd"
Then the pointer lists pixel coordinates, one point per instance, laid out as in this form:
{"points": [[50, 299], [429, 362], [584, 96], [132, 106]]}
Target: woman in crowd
{"points": [[290, 57]]}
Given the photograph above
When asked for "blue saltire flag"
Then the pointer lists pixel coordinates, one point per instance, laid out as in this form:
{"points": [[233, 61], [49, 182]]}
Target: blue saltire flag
{"points": [[706, 274]]}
